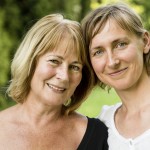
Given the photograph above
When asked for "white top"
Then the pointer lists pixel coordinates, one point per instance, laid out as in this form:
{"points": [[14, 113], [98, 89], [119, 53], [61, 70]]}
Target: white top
{"points": [[115, 140]]}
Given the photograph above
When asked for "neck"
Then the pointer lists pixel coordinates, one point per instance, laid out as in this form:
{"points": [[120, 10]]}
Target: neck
{"points": [[137, 96], [38, 114]]}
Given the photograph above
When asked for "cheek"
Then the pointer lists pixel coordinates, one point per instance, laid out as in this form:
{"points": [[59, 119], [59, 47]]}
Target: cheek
{"points": [[127, 56], [76, 79], [45, 70], [132, 55], [40, 78], [98, 65]]}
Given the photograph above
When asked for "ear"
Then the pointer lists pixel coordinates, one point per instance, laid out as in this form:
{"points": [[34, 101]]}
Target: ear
{"points": [[146, 39]]}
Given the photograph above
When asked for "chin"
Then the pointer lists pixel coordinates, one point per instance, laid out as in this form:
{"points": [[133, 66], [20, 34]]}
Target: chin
{"points": [[121, 86]]}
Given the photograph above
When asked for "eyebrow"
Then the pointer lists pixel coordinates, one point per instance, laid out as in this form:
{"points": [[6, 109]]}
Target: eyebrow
{"points": [[74, 62], [112, 42], [77, 62], [120, 39]]}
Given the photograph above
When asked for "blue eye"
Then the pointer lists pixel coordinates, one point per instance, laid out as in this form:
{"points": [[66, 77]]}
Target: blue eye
{"points": [[121, 44], [98, 52]]}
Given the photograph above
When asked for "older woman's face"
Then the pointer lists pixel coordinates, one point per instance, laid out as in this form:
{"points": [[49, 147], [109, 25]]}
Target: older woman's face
{"points": [[57, 74]]}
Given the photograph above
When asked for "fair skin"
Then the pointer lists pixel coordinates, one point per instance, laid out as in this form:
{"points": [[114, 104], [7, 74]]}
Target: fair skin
{"points": [[117, 59], [38, 123]]}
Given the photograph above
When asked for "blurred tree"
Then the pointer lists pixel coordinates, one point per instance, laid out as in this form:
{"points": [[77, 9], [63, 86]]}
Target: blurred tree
{"points": [[85, 5], [5, 45], [145, 11]]}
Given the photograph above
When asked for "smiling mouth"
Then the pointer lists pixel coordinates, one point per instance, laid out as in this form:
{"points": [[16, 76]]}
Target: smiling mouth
{"points": [[58, 89], [118, 72]]}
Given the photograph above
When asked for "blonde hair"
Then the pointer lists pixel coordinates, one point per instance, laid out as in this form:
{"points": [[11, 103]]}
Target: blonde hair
{"points": [[43, 36]]}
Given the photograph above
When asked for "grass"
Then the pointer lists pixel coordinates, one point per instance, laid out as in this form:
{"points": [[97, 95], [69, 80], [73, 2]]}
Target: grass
{"points": [[93, 104]]}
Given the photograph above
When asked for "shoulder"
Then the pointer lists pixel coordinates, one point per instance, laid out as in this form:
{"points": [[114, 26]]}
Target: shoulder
{"points": [[77, 122], [108, 112], [96, 123], [97, 127], [77, 118], [4, 114], [8, 115], [90, 124], [95, 136]]}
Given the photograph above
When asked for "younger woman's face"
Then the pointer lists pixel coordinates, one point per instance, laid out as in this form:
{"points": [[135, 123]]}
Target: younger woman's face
{"points": [[117, 56]]}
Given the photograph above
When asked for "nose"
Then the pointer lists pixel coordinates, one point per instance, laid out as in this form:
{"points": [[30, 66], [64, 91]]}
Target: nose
{"points": [[63, 73], [113, 61]]}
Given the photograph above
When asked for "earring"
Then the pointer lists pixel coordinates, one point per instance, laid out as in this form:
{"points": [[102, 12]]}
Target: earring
{"points": [[67, 103]]}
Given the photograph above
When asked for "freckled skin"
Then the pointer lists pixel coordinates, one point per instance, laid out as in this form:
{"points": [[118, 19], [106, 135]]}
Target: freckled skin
{"points": [[55, 69], [120, 61]]}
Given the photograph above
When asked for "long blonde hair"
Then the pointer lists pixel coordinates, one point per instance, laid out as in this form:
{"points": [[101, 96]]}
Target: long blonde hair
{"points": [[43, 36]]}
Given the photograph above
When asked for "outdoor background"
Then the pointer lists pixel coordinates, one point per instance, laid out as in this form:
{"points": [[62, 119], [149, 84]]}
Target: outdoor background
{"points": [[17, 16]]}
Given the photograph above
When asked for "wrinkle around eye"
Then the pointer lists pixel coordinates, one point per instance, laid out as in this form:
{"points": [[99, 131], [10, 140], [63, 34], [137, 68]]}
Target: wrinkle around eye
{"points": [[76, 68], [99, 52], [121, 45], [54, 61], [96, 53]]}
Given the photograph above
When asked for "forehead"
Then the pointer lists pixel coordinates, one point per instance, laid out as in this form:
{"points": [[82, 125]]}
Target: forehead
{"points": [[64, 46], [71, 39], [109, 25], [110, 31]]}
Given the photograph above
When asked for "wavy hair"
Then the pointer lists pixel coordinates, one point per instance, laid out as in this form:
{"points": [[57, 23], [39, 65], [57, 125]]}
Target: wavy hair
{"points": [[44, 36]]}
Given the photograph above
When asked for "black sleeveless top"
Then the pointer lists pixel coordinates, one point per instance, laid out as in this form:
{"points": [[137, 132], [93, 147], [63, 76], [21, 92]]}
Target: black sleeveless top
{"points": [[95, 137]]}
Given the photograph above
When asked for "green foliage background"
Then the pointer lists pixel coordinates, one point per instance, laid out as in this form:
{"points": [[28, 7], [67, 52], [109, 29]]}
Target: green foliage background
{"points": [[96, 100], [17, 16]]}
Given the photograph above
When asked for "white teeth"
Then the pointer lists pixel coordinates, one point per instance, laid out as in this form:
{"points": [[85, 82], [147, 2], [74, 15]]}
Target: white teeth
{"points": [[55, 88]]}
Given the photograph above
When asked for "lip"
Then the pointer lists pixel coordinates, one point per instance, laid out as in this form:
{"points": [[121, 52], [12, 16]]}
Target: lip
{"points": [[118, 72], [56, 88]]}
